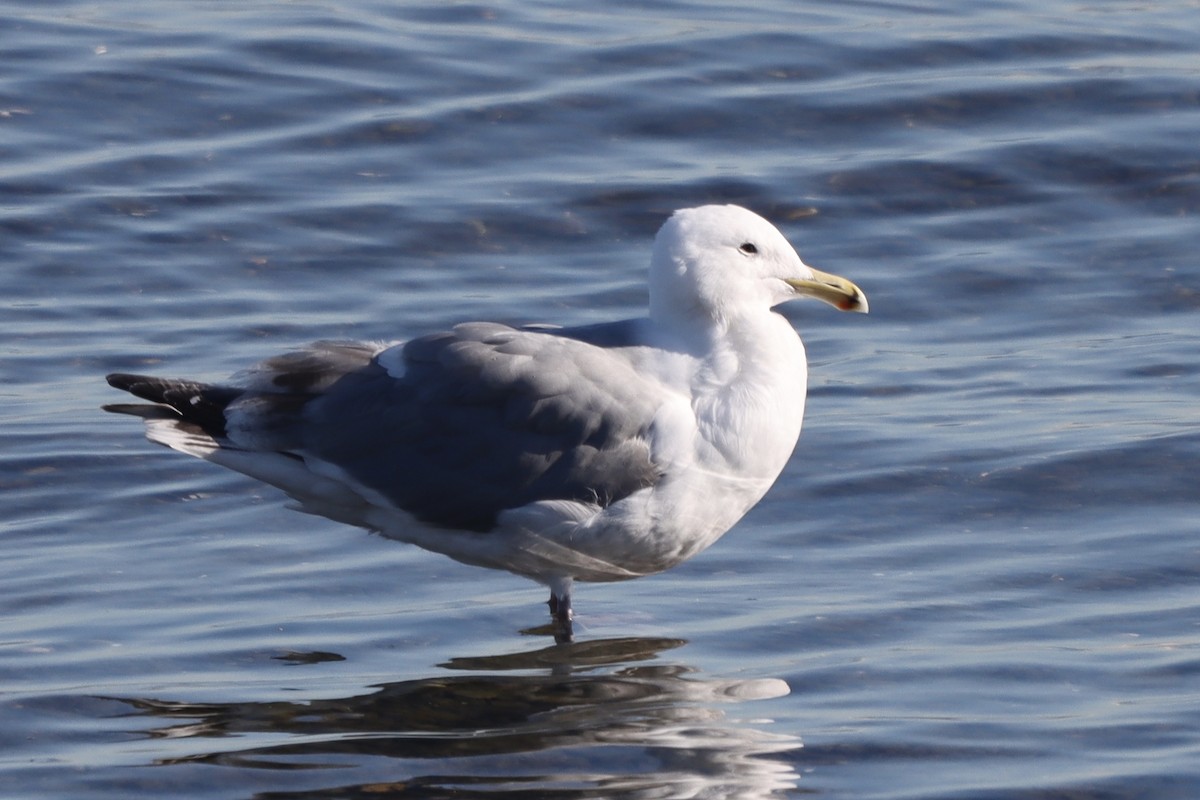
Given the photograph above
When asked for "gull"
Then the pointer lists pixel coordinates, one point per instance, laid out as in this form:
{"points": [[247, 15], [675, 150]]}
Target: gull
{"points": [[592, 453]]}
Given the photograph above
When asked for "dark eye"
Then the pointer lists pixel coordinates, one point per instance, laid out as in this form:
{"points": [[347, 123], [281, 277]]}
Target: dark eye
{"points": [[749, 248]]}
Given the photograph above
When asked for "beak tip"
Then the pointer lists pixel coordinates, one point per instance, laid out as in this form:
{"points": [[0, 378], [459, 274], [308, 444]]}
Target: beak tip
{"points": [[854, 301]]}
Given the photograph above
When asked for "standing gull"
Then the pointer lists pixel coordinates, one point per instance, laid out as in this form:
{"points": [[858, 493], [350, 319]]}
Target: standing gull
{"points": [[594, 453]]}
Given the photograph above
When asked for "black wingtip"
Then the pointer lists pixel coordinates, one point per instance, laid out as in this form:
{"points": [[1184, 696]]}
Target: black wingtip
{"points": [[123, 380], [201, 404], [142, 410], [147, 387], [156, 390]]}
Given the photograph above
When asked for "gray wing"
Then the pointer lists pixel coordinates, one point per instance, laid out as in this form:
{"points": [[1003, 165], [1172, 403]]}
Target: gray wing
{"points": [[486, 418]]}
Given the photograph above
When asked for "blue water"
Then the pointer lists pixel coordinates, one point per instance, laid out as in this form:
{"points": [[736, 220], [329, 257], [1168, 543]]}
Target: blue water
{"points": [[978, 578]]}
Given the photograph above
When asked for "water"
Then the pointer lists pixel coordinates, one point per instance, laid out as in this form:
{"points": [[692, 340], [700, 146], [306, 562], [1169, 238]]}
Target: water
{"points": [[977, 578]]}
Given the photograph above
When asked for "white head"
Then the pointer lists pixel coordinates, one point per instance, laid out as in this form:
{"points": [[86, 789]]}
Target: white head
{"points": [[718, 263]]}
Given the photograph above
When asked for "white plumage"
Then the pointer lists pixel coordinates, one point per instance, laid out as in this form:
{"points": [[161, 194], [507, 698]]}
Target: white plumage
{"points": [[597, 453]]}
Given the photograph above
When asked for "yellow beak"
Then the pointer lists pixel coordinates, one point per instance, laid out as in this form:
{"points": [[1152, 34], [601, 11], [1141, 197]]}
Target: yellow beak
{"points": [[837, 291]]}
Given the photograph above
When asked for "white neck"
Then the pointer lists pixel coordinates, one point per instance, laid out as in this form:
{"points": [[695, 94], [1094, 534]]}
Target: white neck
{"points": [[749, 398]]}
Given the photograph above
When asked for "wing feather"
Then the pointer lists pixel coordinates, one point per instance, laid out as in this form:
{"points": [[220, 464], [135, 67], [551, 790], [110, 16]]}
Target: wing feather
{"points": [[454, 428], [487, 418]]}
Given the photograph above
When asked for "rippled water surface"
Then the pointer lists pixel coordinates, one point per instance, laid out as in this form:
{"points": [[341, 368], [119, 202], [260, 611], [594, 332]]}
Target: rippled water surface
{"points": [[978, 578]]}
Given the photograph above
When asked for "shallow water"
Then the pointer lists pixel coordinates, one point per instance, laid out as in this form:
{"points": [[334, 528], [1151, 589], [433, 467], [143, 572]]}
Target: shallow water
{"points": [[976, 579]]}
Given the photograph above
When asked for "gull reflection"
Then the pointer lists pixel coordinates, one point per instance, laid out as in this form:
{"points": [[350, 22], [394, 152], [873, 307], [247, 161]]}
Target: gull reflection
{"points": [[581, 720]]}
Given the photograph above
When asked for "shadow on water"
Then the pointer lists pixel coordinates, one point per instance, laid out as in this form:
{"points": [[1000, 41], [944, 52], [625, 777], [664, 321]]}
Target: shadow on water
{"points": [[579, 720]]}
